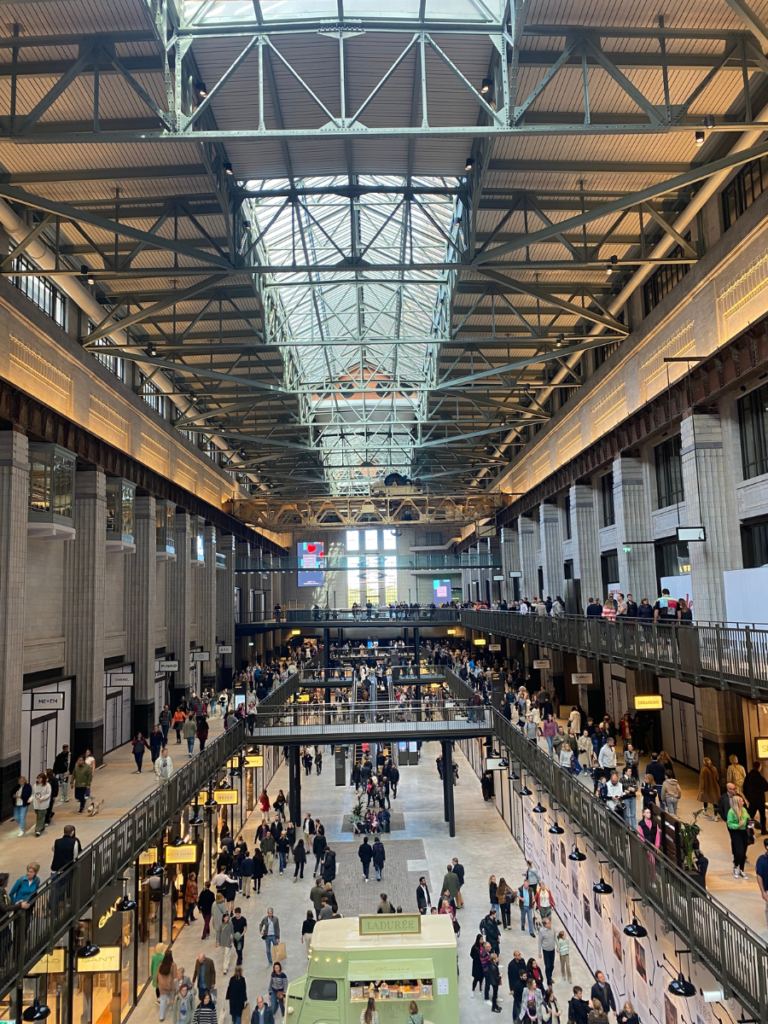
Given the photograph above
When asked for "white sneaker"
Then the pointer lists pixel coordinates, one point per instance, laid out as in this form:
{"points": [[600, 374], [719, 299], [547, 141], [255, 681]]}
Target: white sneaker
{"points": [[21, 833], [471, 995], [487, 1002], [736, 873], [744, 874]]}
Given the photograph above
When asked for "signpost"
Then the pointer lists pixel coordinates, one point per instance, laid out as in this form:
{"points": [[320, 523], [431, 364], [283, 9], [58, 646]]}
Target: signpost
{"points": [[168, 666], [541, 663], [581, 678], [649, 702]]}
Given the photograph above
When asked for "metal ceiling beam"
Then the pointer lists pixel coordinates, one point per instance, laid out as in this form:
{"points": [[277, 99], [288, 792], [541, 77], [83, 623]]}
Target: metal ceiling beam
{"points": [[753, 22]]}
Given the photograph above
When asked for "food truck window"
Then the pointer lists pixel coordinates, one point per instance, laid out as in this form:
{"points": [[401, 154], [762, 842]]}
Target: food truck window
{"points": [[322, 989]]}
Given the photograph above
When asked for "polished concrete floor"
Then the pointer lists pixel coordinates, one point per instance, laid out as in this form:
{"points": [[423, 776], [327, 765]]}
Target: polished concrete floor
{"points": [[482, 844]]}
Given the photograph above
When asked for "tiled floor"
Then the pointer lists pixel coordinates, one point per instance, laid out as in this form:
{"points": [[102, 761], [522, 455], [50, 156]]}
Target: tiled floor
{"points": [[482, 844], [115, 782]]}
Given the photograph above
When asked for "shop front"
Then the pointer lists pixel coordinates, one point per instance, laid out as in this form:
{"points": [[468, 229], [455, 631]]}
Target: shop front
{"points": [[46, 721], [118, 703]]}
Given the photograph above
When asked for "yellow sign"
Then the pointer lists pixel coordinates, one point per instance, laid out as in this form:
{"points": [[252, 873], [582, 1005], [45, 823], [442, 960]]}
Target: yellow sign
{"points": [[390, 924], [761, 747], [107, 959], [481, 641], [51, 964], [148, 856], [112, 910], [254, 760], [649, 702], [303, 698], [295, 632], [451, 632], [226, 796], [181, 854]]}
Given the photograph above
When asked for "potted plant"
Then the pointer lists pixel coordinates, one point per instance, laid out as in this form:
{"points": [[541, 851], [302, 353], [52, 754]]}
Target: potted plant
{"points": [[689, 830]]}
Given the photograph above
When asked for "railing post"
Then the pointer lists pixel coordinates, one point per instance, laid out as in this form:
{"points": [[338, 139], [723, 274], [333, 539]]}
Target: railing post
{"points": [[750, 663]]}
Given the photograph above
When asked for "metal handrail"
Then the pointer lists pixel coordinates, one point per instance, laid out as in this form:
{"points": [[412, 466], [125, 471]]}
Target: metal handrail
{"points": [[735, 954], [705, 653], [334, 616]]}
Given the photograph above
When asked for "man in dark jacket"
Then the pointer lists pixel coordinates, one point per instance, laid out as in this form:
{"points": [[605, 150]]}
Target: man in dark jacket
{"points": [[329, 866], [65, 850], [656, 770], [493, 978], [755, 788], [319, 843], [517, 975], [423, 899], [491, 929], [594, 608], [365, 853], [602, 990], [379, 856], [458, 869], [63, 764], [578, 1008]]}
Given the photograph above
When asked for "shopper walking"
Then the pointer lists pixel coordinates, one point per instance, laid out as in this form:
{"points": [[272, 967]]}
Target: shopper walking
{"points": [[299, 859], [564, 951], [205, 902], [138, 746], [737, 821], [755, 788], [41, 799], [206, 1010], [166, 974], [237, 995], [63, 764], [379, 856], [25, 887], [548, 948], [278, 986], [190, 898], [494, 980], [189, 732], [478, 974], [22, 798], [269, 930]]}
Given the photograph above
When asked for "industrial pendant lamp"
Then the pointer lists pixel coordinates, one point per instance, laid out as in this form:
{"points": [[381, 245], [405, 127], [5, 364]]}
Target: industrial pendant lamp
{"points": [[126, 904], [635, 930], [37, 1011], [602, 888], [539, 808], [576, 854], [524, 791], [556, 829], [88, 950], [681, 987]]}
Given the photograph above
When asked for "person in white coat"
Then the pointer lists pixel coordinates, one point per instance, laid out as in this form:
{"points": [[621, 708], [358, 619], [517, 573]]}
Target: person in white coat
{"points": [[41, 799], [164, 765]]}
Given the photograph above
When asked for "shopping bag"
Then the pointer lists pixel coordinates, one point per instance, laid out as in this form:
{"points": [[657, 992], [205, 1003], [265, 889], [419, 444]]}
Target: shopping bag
{"points": [[459, 900], [278, 952]]}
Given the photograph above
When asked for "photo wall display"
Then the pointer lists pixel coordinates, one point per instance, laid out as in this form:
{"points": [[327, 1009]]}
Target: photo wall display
{"points": [[638, 970]]}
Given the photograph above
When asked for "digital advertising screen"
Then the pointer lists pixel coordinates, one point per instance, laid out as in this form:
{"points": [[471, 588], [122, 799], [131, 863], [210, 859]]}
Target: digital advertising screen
{"points": [[311, 560], [441, 591]]}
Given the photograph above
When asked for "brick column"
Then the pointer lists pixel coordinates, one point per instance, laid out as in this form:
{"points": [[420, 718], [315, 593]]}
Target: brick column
{"points": [[14, 496], [140, 612], [706, 504], [637, 568], [586, 545], [86, 567], [178, 596], [551, 550], [527, 530], [225, 602], [206, 609]]}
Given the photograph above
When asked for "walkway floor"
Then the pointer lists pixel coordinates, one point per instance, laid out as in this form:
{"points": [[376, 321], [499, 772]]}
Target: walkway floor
{"points": [[482, 844], [115, 782]]}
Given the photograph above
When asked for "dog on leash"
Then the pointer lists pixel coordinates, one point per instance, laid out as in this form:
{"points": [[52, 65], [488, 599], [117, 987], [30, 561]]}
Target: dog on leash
{"points": [[94, 807]]}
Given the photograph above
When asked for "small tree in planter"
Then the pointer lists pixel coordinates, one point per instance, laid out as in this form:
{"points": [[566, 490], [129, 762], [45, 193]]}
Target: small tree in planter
{"points": [[688, 833]]}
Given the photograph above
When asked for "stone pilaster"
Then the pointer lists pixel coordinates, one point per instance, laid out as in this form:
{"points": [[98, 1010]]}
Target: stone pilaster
{"points": [[206, 609], [140, 612], [225, 603], [586, 544], [86, 566], [14, 496], [510, 560], [527, 530], [551, 550], [707, 505], [178, 596], [637, 567]]}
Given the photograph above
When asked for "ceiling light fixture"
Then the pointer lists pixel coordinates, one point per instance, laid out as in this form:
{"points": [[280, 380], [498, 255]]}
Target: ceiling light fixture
{"points": [[602, 888], [556, 829], [576, 854], [151, 351], [87, 951], [37, 1011], [700, 136], [560, 341], [709, 121], [611, 264], [228, 169], [539, 808], [469, 164], [200, 89], [486, 87], [681, 987], [635, 930]]}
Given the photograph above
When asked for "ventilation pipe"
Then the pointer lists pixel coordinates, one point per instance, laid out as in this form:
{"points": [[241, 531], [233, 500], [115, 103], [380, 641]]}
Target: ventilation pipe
{"points": [[39, 252]]}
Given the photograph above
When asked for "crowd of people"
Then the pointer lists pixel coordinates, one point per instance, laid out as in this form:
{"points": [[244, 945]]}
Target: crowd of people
{"points": [[664, 609]]}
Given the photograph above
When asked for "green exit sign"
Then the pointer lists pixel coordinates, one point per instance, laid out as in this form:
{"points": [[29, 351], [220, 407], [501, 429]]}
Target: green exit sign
{"points": [[627, 548]]}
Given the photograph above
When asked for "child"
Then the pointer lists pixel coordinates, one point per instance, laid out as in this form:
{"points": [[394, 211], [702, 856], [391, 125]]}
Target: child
{"points": [[564, 949]]}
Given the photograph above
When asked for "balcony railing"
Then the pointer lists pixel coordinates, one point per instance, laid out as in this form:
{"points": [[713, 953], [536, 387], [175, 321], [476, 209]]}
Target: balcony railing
{"points": [[383, 615], [706, 653], [735, 954]]}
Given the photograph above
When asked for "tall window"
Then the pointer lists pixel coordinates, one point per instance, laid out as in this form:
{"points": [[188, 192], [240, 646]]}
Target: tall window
{"points": [[669, 472], [567, 507], [665, 278], [353, 587], [40, 290], [672, 559], [390, 579], [371, 540], [739, 194], [606, 486], [390, 540], [372, 577], [753, 417], [152, 395], [754, 543], [114, 364], [353, 540], [609, 569]]}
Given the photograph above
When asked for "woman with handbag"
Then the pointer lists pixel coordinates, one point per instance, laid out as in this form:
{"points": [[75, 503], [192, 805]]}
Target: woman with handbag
{"points": [[414, 1017], [278, 985], [504, 900]]}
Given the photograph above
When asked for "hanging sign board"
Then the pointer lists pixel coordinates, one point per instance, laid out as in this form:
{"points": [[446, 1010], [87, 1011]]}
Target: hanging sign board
{"points": [[168, 666], [121, 678], [224, 649], [106, 960], [51, 964], [149, 856], [761, 747], [48, 701], [389, 924], [254, 760], [181, 854], [581, 678], [201, 656], [226, 796], [494, 647], [649, 702], [541, 663]]}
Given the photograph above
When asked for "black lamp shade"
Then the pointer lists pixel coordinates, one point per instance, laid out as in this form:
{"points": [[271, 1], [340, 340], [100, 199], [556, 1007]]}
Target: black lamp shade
{"points": [[37, 1011], [602, 888], [539, 808], [88, 950], [681, 987], [557, 830], [513, 776], [524, 791], [576, 854], [196, 819], [178, 841], [126, 904], [635, 930]]}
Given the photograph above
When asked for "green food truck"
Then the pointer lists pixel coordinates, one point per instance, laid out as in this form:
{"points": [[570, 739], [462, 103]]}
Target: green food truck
{"points": [[395, 958]]}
